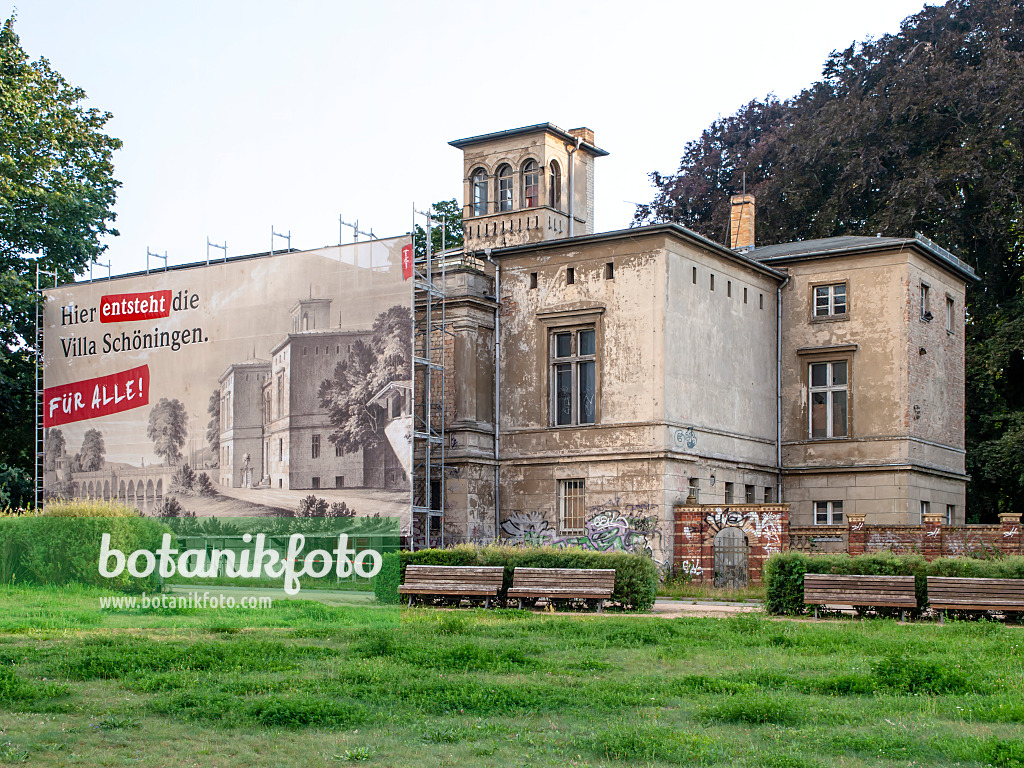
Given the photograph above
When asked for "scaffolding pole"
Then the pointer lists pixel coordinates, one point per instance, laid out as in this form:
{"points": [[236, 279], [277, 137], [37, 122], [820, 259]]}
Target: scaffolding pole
{"points": [[40, 431], [429, 411]]}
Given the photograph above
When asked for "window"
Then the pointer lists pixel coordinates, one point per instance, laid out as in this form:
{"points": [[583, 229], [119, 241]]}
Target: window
{"points": [[339, 481], [574, 376], [316, 482], [533, 279], [728, 288], [531, 184], [744, 295], [949, 314], [926, 315], [924, 509], [694, 275], [712, 282], [830, 300], [338, 450], [554, 185], [570, 275], [280, 449], [828, 392], [729, 493], [760, 300], [609, 271], [950, 513], [316, 446], [480, 192], [750, 495], [828, 513], [768, 490], [570, 506], [694, 489], [505, 188]]}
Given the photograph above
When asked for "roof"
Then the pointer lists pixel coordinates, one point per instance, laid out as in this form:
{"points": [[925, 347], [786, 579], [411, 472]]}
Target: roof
{"points": [[836, 246], [254, 362], [674, 230], [549, 127]]}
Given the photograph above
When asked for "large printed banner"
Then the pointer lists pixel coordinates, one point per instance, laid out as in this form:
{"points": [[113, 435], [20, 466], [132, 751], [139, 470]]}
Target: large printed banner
{"points": [[259, 385]]}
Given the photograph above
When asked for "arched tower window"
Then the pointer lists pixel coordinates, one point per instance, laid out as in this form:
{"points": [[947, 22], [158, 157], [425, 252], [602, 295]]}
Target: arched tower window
{"points": [[479, 192], [554, 185], [505, 188], [531, 184]]}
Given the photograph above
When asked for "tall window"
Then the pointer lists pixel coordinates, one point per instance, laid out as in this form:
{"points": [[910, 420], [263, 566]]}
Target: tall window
{"points": [[830, 300], [829, 396], [480, 192], [316, 446], [925, 311], [828, 513], [750, 494], [505, 188], [570, 506], [574, 376], [730, 493], [531, 184], [949, 314], [554, 185]]}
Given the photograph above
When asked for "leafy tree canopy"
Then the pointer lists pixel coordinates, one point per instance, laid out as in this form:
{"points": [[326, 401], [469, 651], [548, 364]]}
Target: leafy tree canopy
{"points": [[921, 131], [168, 428], [445, 229], [57, 190]]}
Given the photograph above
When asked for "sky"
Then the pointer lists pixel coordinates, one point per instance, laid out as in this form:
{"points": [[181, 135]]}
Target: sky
{"points": [[237, 117]]}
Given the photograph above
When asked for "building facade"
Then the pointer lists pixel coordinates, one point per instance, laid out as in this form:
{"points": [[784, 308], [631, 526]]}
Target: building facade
{"points": [[640, 369]]}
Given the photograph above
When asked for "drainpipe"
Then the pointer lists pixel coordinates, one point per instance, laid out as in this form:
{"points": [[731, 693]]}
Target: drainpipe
{"points": [[572, 149], [497, 389], [778, 389]]}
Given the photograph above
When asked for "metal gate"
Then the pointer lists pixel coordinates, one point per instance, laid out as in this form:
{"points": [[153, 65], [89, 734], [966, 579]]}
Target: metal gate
{"points": [[731, 558]]}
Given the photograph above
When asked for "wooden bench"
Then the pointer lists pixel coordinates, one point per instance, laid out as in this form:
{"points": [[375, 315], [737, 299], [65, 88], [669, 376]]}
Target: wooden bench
{"points": [[563, 584], [952, 593], [453, 582], [880, 591]]}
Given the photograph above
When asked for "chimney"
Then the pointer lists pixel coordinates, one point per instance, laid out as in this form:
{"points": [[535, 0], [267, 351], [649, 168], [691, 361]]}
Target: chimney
{"points": [[741, 222], [584, 133]]}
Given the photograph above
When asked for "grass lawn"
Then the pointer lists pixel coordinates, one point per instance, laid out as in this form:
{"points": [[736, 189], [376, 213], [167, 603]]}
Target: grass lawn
{"points": [[312, 684]]}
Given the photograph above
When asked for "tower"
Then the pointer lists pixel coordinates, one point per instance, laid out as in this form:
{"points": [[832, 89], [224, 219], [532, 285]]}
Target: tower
{"points": [[527, 185]]}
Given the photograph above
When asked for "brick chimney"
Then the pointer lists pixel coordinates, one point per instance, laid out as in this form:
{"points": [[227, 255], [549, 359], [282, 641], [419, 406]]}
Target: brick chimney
{"points": [[584, 133], [741, 222]]}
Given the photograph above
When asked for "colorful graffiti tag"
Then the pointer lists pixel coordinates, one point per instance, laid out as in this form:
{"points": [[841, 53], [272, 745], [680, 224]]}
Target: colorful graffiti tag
{"points": [[601, 533]]}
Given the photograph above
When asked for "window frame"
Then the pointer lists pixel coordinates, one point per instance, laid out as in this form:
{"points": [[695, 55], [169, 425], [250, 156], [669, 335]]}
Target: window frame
{"points": [[828, 389], [504, 185], [926, 314], [479, 187], [575, 360], [531, 168], [554, 184], [950, 314], [830, 512], [831, 314], [578, 486]]}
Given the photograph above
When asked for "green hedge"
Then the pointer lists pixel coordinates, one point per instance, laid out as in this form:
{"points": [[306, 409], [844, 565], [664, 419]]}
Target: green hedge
{"points": [[59, 549], [784, 573], [636, 576]]}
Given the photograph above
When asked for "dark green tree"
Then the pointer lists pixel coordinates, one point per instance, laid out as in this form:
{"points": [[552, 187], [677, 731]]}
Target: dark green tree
{"points": [[57, 191], [445, 230], [920, 131], [213, 426]]}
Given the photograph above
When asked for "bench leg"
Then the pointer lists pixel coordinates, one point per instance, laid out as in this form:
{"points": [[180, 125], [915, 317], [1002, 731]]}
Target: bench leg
{"points": [[410, 601], [487, 603], [815, 613], [600, 605], [903, 615], [520, 603], [942, 617]]}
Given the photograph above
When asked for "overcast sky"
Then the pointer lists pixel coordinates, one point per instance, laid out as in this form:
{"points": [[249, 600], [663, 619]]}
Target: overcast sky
{"points": [[237, 116]]}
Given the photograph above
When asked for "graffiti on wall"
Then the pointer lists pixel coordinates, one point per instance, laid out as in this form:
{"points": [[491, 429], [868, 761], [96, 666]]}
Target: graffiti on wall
{"points": [[893, 540], [765, 526], [606, 531]]}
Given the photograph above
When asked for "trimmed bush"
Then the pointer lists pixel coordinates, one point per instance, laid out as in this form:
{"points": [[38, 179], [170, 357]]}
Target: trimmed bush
{"points": [[636, 576], [784, 573], [62, 545]]}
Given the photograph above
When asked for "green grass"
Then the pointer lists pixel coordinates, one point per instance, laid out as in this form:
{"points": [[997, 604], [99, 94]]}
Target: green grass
{"points": [[685, 589], [311, 684]]}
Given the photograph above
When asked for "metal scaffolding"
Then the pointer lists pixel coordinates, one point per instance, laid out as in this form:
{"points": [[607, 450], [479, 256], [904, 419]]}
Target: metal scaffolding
{"points": [[429, 393], [40, 431]]}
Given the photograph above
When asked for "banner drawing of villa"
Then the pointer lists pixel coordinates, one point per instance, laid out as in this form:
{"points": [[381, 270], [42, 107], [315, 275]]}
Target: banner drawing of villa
{"points": [[274, 432]]}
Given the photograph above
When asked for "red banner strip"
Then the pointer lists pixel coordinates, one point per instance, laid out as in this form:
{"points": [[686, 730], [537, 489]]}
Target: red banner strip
{"points": [[123, 307], [87, 399]]}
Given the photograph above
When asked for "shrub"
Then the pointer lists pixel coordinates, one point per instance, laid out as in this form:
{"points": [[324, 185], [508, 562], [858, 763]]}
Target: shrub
{"points": [[205, 485], [784, 573], [636, 576]]}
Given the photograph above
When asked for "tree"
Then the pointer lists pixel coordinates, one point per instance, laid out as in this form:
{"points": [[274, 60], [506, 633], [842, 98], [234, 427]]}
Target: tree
{"points": [[213, 426], [91, 457], [922, 131], [445, 230], [55, 447], [168, 430], [57, 190], [368, 368]]}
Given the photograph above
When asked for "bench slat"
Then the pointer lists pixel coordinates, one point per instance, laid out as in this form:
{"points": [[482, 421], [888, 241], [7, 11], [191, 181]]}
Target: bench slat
{"points": [[836, 589]]}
